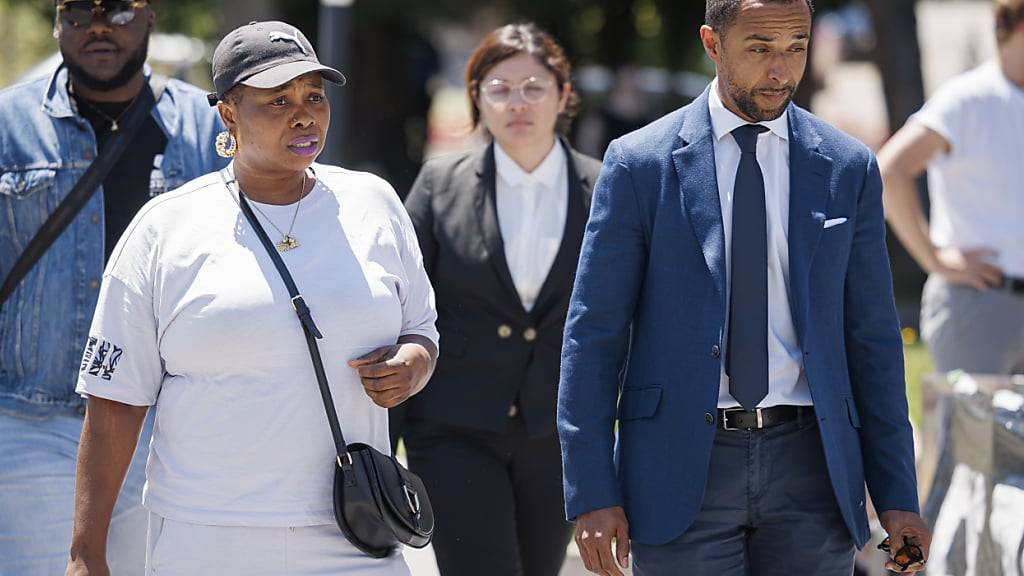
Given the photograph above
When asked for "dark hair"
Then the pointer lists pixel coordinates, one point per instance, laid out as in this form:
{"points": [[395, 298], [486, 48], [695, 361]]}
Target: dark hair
{"points": [[1009, 14], [510, 41], [720, 14]]}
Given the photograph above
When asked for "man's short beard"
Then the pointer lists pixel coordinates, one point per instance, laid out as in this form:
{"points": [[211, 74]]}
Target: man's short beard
{"points": [[135, 63], [744, 100]]}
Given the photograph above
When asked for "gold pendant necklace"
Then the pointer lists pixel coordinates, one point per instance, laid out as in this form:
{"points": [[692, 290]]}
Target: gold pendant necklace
{"points": [[113, 121], [287, 242]]}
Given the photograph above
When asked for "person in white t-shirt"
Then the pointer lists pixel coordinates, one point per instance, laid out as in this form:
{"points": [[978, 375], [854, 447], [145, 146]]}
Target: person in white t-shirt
{"points": [[194, 320], [969, 137]]}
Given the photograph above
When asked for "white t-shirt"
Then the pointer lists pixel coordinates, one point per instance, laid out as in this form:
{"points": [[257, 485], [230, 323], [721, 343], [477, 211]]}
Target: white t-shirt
{"points": [[194, 318], [531, 214], [977, 190]]}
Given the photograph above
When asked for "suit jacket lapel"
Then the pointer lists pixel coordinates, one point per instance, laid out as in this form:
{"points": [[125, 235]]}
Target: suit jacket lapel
{"points": [[564, 265], [698, 182], [809, 176], [487, 215]]}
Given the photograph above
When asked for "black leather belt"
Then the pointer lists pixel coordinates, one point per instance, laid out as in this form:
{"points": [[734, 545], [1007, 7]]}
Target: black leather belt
{"points": [[740, 419], [1014, 285]]}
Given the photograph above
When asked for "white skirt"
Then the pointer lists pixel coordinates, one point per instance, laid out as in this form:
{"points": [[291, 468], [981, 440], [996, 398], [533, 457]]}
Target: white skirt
{"points": [[181, 549]]}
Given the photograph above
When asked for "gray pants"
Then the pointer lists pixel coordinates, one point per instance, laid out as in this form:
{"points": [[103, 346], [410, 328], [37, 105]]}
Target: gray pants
{"points": [[978, 332], [768, 510]]}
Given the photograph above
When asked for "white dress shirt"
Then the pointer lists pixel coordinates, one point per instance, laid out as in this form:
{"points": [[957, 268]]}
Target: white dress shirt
{"points": [[787, 383], [531, 214]]}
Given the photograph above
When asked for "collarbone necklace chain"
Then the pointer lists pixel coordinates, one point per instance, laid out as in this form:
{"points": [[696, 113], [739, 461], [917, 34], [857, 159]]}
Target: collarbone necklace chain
{"points": [[113, 120], [287, 242]]}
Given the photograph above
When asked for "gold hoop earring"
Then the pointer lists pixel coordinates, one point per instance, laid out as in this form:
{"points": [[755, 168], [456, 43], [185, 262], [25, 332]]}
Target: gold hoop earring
{"points": [[226, 145]]}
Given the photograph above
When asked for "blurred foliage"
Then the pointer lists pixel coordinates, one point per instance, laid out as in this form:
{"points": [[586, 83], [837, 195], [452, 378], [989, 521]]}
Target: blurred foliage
{"points": [[918, 364], [659, 33], [28, 25]]}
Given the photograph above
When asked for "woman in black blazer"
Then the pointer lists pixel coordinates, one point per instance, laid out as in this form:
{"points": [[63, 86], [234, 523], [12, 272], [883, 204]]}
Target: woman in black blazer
{"points": [[500, 228]]}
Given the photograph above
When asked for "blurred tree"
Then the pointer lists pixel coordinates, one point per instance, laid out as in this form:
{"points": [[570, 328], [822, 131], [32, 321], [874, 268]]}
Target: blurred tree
{"points": [[28, 35], [898, 57]]}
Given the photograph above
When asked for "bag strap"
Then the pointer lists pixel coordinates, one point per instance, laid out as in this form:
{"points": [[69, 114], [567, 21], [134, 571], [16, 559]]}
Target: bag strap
{"points": [[305, 318], [73, 203]]}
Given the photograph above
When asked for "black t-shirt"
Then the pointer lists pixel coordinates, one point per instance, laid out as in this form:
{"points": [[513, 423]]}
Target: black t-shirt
{"points": [[127, 186]]}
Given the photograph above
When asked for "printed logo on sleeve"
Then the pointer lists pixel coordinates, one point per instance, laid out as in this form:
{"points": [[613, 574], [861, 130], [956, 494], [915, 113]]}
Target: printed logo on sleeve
{"points": [[100, 358]]}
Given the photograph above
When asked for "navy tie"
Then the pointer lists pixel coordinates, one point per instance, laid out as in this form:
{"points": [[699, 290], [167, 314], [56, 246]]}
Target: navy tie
{"points": [[747, 354]]}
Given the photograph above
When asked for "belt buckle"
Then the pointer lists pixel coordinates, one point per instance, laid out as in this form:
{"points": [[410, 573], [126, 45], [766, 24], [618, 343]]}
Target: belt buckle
{"points": [[725, 419]]}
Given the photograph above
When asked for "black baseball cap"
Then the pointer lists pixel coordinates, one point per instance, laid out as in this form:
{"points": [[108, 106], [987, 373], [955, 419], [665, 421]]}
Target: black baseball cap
{"points": [[265, 55]]}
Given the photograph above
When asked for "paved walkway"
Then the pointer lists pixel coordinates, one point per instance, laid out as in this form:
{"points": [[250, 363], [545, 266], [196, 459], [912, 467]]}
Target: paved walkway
{"points": [[421, 562]]}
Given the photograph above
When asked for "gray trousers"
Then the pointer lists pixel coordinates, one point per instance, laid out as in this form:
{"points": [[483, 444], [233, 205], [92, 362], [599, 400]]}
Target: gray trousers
{"points": [[978, 332], [768, 510]]}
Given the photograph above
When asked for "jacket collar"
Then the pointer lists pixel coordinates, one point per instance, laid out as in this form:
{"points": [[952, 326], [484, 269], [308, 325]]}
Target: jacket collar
{"points": [[810, 172], [490, 231], [57, 102]]}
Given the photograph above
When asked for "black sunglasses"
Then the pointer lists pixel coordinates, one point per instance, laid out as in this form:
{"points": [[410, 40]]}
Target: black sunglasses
{"points": [[79, 13], [909, 555]]}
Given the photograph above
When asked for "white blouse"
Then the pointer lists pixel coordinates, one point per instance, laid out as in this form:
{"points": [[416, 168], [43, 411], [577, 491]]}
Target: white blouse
{"points": [[531, 214]]}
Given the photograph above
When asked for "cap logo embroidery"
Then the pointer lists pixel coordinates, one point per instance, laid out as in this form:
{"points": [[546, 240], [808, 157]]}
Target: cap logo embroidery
{"points": [[282, 37]]}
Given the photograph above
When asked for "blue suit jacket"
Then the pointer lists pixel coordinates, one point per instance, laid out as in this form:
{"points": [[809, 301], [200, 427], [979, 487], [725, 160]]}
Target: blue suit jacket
{"points": [[648, 311]]}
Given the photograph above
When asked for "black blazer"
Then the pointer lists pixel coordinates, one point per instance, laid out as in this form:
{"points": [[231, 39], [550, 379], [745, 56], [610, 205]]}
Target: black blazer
{"points": [[494, 354]]}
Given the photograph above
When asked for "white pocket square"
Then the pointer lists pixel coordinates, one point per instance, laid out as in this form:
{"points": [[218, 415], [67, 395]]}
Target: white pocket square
{"points": [[834, 222]]}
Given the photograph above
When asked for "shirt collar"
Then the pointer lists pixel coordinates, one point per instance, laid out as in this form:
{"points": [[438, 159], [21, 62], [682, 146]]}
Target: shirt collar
{"points": [[546, 173], [724, 121]]}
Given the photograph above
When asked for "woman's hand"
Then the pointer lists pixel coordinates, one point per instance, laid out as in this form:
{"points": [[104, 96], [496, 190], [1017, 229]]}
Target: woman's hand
{"points": [[391, 374]]}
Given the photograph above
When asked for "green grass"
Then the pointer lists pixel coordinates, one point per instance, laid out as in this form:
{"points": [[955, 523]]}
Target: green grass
{"points": [[918, 363]]}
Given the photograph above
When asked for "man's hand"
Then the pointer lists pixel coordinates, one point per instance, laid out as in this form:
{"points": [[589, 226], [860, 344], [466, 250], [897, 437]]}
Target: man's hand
{"points": [[905, 528], [970, 267], [391, 374], [594, 533]]}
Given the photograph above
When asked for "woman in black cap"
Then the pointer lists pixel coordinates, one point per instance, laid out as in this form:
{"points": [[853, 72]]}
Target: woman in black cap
{"points": [[193, 311], [500, 228]]}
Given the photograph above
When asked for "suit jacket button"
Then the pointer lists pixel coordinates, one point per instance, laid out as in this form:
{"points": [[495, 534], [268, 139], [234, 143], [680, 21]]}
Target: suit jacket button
{"points": [[709, 418], [504, 331], [530, 334], [512, 411], [716, 351]]}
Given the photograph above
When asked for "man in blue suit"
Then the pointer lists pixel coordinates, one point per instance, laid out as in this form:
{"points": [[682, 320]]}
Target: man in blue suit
{"points": [[733, 310]]}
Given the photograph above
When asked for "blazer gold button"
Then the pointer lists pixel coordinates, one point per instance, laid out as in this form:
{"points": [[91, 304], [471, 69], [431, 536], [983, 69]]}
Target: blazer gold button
{"points": [[512, 411], [529, 334], [504, 331]]}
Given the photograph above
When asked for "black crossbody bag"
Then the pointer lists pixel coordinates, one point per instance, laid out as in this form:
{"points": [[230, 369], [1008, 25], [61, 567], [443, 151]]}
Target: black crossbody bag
{"points": [[73, 203], [378, 504]]}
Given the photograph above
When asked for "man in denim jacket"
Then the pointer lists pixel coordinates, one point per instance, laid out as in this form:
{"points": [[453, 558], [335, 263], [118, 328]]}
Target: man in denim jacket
{"points": [[50, 132]]}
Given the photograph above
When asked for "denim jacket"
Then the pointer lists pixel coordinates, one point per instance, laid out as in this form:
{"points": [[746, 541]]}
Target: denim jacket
{"points": [[45, 147]]}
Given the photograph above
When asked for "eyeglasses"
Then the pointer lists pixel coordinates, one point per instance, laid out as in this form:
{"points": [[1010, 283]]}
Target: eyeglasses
{"points": [[909, 555], [533, 90], [79, 13]]}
